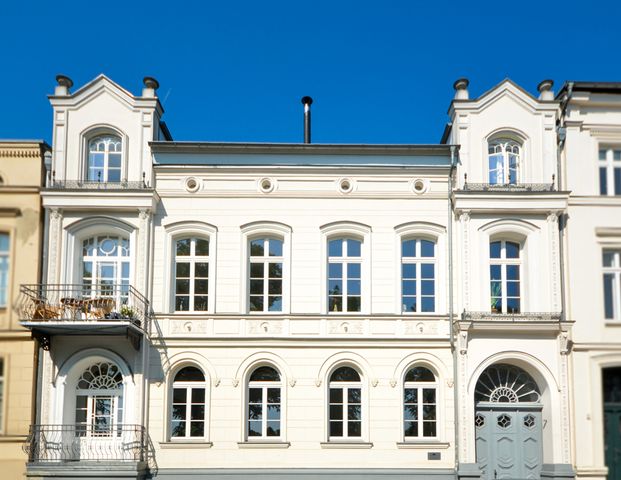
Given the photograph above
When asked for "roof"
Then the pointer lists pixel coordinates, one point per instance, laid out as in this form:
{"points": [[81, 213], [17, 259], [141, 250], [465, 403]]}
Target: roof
{"points": [[595, 87]]}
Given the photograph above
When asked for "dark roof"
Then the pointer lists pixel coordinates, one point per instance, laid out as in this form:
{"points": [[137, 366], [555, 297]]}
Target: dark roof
{"points": [[595, 87]]}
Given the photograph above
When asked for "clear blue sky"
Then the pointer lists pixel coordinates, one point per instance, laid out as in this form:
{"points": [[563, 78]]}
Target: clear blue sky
{"points": [[379, 72]]}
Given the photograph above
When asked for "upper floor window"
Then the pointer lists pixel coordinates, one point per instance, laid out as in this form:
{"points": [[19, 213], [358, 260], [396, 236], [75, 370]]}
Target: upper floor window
{"points": [[344, 275], [504, 161], [188, 404], [105, 265], [266, 275], [345, 404], [192, 274], [105, 155], [612, 284], [264, 403], [419, 403], [504, 274], [418, 273], [610, 171], [4, 268], [1, 394]]}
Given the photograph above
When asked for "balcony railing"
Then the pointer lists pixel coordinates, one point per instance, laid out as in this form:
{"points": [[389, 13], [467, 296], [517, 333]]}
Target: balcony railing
{"points": [[534, 317], [95, 185], [516, 187], [84, 304], [51, 444]]}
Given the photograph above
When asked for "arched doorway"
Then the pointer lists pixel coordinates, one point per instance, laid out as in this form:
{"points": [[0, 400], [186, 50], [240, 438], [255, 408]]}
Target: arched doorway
{"points": [[508, 423], [612, 420]]}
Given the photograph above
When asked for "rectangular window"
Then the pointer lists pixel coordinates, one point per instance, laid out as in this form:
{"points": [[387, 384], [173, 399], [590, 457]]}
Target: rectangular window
{"points": [[4, 268], [266, 275], [612, 284], [192, 275], [344, 275], [504, 276], [610, 171], [1, 395], [418, 272]]}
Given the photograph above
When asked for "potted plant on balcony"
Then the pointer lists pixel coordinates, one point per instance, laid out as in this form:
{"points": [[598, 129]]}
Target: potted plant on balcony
{"points": [[495, 298], [127, 312]]}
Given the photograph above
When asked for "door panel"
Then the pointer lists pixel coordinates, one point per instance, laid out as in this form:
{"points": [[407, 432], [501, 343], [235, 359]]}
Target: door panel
{"points": [[612, 439]]}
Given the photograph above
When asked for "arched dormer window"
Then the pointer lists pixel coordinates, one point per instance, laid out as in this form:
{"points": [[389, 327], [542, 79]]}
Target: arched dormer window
{"points": [[504, 161], [105, 155]]}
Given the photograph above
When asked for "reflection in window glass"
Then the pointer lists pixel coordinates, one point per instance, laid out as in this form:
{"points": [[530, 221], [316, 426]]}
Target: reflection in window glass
{"points": [[104, 159], [418, 272], [504, 274], [188, 404], [192, 275], [264, 403], [345, 404], [266, 275], [612, 284], [419, 403], [344, 275]]}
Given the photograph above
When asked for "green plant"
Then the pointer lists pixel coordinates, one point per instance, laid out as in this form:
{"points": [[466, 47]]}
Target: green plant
{"points": [[127, 311], [495, 294]]}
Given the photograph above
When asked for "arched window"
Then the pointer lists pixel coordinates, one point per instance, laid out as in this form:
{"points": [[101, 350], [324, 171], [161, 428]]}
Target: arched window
{"points": [[99, 400], [420, 404], [345, 404], [188, 404], [344, 275], [504, 161], [265, 274], [192, 274], [418, 275], [502, 383], [105, 155], [504, 274], [264, 403], [105, 266]]}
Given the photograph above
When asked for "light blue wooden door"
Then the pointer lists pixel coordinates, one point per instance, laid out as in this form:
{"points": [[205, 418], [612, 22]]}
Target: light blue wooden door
{"points": [[508, 443]]}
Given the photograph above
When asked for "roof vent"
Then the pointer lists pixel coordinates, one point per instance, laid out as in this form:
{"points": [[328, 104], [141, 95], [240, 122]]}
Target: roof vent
{"points": [[64, 84], [150, 86], [461, 89], [307, 102], [545, 90]]}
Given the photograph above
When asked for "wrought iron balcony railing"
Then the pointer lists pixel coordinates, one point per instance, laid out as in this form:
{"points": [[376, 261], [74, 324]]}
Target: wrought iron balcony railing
{"points": [[95, 185], [507, 187], [87, 443], [534, 317], [84, 303]]}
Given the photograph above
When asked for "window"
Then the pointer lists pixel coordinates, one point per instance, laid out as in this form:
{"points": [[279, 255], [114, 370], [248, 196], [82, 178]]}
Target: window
{"points": [[344, 275], [1, 395], [99, 400], [188, 404], [266, 272], [4, 268], [264, 403], [345, 404], [104, 159], [612, 284], [418, 267], [420, 404], [504, 274], [192, 275], [610, 171], [504, 161], [105, 265]]}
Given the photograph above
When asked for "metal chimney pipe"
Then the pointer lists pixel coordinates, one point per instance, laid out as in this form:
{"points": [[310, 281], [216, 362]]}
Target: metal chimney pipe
{"points": [[307, 102]]}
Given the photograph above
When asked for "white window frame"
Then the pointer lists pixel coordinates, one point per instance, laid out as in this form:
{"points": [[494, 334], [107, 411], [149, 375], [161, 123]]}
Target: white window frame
{"points": [[189, 386], [417, 260], [264, 385], [504, 144], [265, 260], [192, 259], [503, 262], [5, 256], [614, 270], [419, 386], [344, 260], [364, 411], [106, 137], [609, 164], [98, 261], [356, 231], [256, 230]]}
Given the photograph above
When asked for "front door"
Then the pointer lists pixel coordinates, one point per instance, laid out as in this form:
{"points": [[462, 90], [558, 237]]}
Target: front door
{"points": [[612, 439], [508, 442]]}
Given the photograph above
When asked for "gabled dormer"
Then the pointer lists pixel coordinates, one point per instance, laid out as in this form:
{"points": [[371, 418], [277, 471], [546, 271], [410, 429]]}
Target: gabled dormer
{"points": [[102, 133], [507, 137]]}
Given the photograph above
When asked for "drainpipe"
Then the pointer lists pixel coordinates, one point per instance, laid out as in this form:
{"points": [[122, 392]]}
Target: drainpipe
{"points": [[450, 305]]}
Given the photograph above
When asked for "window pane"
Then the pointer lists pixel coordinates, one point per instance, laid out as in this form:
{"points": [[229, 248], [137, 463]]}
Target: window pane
{"points": [[513, 305], [428, 304], [427, 248], [273, 412], [617, 174], [410, 395], [354, 395], [409, 287], [494, 250], [201, 269], [353, 270], [354, 429], [275, 270], [275, 247], [410, 412], [336, 429], [182, 304], [335, 304], [336, 412], [345, 374], [114, 160], [265, 374], [274, 287], [254, 428], [189, 374], [273, 429], [353, 304], [257, 248], [178, 429], [427, 270], [275, 304], [513, 289], [353, 248], [178, 412], [335, 248], [603, 181], [197, 429], [353, 287], [409, 304], [183, 286], [354, 412], [256, 286], [429, 429], [255, 412], [335, 270], [202, 247], [197, 412], [408, 270], [256, 304], [420, 374], [183, 247], [335, 287], [273, 394], [495, 272], [602, 154], [336, 395], [201, 303], [201, 286], [408, 248], [513, 272], [512, 250], [427, 287], [429, 395], [616, 155], [198, 395], [114, 175], [609, 281], [410, 429], [609, 259], [256, 270], [255, 395]]}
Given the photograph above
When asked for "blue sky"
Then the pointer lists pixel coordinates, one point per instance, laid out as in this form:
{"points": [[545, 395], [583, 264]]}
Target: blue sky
{"points": [[379, 72]]}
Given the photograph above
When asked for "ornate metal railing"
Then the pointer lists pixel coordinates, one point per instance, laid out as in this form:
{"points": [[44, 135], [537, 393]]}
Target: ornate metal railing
{"points": [[87, 443], [95, 185], [512, 317], [84, 302], [517, 187]]}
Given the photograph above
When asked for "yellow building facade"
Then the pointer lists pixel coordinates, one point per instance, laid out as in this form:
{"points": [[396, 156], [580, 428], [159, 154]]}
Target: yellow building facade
{"points": [[22, 173]]}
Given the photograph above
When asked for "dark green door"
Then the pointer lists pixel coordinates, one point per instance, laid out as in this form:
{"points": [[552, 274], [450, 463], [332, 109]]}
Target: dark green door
{"points": [[612, 439]]}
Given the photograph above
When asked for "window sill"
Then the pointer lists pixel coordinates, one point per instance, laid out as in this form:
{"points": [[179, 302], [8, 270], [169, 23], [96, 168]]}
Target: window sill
{"points": [[263, 444], [186, 444], [424, 445], [345, 444], [612, 323]]}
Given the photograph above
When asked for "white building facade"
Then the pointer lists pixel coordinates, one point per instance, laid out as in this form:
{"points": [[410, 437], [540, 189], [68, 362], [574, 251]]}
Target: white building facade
{"points": [[323, 311]]}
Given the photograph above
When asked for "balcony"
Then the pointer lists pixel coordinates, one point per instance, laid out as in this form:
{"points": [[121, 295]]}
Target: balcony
{"points": [[111, 448], [507, 187], [84, 309], [95, 185], [526, 321]]}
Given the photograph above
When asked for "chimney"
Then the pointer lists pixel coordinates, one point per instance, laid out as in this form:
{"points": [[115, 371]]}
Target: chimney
{"points": [[307, 102], [545, 90], [461, 89], [150, 86], [64, 84]]}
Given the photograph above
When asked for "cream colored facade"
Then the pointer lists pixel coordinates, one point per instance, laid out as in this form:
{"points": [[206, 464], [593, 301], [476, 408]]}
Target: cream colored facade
{"points": [[21, 176]]}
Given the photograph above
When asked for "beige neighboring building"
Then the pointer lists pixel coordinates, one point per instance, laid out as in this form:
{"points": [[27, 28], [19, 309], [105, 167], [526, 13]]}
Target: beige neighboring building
{"points": [[22, 172]]}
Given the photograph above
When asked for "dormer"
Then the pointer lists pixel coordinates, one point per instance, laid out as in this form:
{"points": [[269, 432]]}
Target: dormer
{"points": [[507, 136], [102, 133]]}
